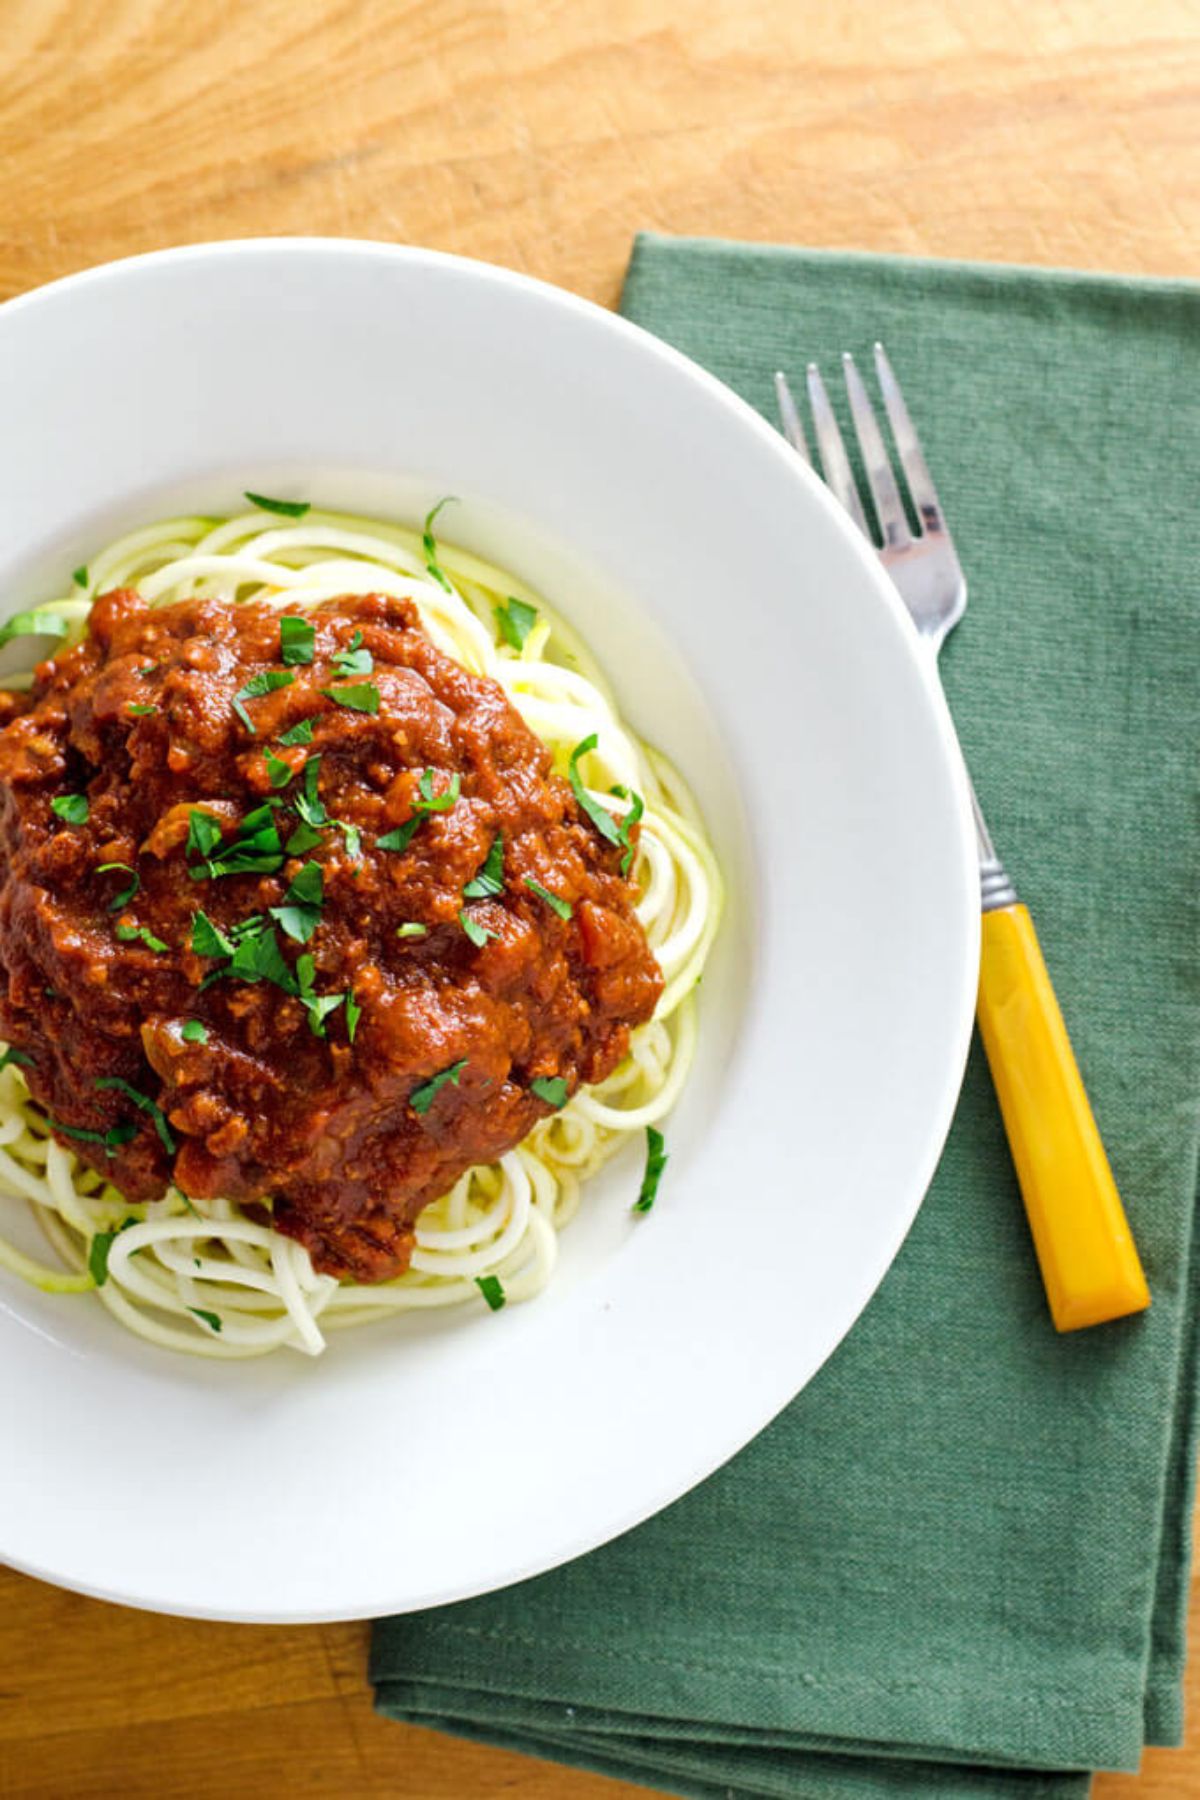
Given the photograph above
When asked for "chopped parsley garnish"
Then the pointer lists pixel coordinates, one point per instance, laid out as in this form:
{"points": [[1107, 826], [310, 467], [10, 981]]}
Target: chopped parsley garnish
{"points": [[550, 1088], [353, 1015], [300, 913], [135, 934], [266, 682], [211, 1319], [279, 771], [428, 801], [195, 1031], [126, 894], [492, 1289], [555, 901], [478, 934], [208, 939], [110, 1141], [308, 803], [204, 834], [490, 880], [139, 711], [319, 1007], [600, 816], [352, 835], [303, 838], [403, 835], [102, 1242], [431, 558], [259, 958], [301, 733], [18, 1057], [33, 624], [80, 575], [637, 807], [412, 930], [144, 1104], [254, 850], [297, 639], [656, 1162], [423, 1097], [290, 509], [364, 698], [516, 621], [71, 808], [354, 660]]}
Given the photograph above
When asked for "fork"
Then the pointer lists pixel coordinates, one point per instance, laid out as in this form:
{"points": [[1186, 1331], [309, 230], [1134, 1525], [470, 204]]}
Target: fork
{"points": [[1089, 1262]]}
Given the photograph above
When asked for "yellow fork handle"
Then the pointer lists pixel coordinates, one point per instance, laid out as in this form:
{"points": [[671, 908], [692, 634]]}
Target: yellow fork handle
{"points": [[1089, 1260]]}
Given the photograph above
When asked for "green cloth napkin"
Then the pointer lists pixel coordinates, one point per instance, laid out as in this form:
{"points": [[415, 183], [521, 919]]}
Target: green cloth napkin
{"points": [[956, 1565]]}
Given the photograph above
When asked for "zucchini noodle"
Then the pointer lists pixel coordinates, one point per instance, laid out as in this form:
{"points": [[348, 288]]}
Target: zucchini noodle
{"points": [[202, 1277]]}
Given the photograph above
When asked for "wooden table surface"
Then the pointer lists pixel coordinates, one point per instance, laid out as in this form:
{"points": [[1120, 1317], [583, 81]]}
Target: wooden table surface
{"points": [[540, 136]]}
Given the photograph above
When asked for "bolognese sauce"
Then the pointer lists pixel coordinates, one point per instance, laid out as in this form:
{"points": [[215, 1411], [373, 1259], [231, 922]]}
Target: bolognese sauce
{"points": [[296, 909]]}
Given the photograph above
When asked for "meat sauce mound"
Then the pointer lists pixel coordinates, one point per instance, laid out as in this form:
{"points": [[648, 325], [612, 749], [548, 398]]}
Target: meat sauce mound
{"points": [[230, 1066]]}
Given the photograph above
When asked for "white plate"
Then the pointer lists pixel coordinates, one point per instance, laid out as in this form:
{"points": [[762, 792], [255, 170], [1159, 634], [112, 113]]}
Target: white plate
{"points": [[749, 633]]}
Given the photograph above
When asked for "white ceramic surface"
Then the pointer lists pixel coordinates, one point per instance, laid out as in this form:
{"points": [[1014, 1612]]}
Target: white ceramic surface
{"points": [[749, 633]]}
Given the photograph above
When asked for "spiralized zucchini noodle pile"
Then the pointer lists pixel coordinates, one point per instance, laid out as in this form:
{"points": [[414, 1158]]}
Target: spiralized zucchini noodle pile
{"points": [[201, 1276]]}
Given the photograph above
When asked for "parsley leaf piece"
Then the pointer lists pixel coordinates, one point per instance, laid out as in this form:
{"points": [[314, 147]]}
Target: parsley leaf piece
{"points": [[402, 837], [126, 894], [141, 712], [490, 880], [303, 838], [265, 682], [204, 834], [550, 1088], [429, 802], [208, 939], [353, 1015], [102, 1242], [318, 1008], [625, 826], [412, 930], [516, 621], [211, 1319], [259, 958], [492, 1289], [133, 934], [290, 509], [354, 660], [297, 640], [300, 913], [71, 808], [478, 934], [600, 816], [144, 1103], [352, 835], [33, 624], [279, 771], [364, 699], [430, 544], [308, 803], [80, 575], [562, 907], [301, 733], [656, 1162], [423, 1096], [195, 1031], [18, 1057]]}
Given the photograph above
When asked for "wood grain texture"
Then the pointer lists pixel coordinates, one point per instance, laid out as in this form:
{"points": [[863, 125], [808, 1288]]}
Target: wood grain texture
{"points": [[541, 136]]}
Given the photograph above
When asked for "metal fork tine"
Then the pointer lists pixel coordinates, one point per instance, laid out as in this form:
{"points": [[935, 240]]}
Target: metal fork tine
{"points": [[889, 508], [920, 482], [789, 418], [835, 464]]}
